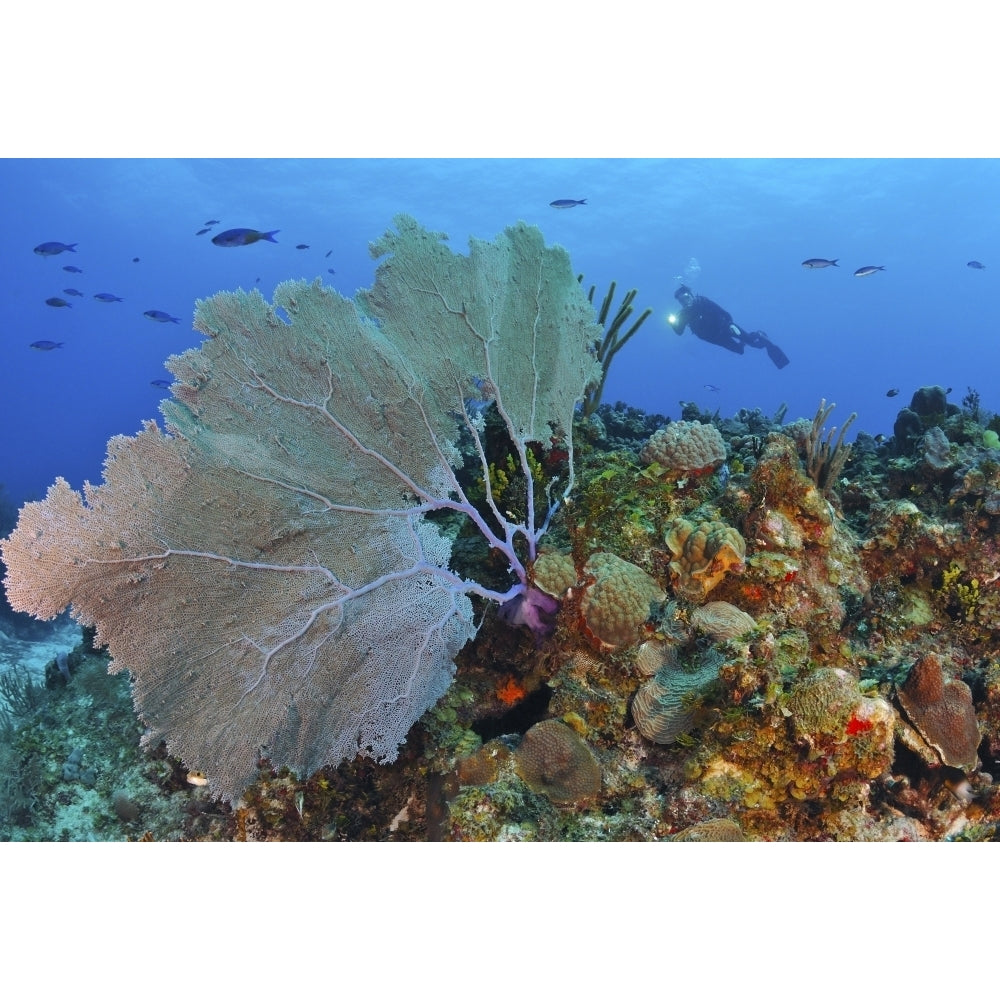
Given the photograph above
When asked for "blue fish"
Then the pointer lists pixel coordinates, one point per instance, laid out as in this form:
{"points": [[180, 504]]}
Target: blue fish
{"points": [[300, 246], [201, 232], [976, 265], [330, 270], [135, 260], [51, 249], [327, 254], [211, 222], [45, 345], [711, 388], [73, 269], [243, 237], [567, 203], [71, 291], [58, 303], [107, 297], [862, 272], [159, 316], [814, 262], [161, 383]]}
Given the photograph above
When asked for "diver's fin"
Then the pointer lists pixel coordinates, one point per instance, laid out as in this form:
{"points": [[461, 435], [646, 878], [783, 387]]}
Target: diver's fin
{"points": [[777, 355]]}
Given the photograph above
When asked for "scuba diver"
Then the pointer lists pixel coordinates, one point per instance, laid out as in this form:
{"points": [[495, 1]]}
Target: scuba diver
{"points": [[709, 321]]}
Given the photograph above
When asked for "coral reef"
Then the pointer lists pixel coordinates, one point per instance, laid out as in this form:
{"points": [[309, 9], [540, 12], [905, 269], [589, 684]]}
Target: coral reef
{"points": [[797, 644]]}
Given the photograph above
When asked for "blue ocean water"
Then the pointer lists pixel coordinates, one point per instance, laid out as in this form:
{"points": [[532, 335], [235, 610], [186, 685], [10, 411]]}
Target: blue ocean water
{"points": [[736, 231]]}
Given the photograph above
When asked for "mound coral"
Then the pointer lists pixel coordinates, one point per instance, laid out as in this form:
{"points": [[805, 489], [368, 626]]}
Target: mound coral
{"points": [[553, 761], [554, 573], [616, 602], [703, 554], [687, 447]]}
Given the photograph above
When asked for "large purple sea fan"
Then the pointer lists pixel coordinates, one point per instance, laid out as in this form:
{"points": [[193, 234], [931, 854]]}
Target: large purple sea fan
{"points": [[264, 570]]}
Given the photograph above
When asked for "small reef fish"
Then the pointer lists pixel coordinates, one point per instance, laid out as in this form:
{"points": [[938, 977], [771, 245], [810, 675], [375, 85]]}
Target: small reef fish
{"points": [[301, 246], [58, 303], [814, 262], [45, 345], [567, 203], [159, 316], [201, 232], [51, 249], [975, 265], [327, 254], [892, 392], [330, 270], [73, 269], [71, 291], [135, 260], [711, 388], [211, 222], [107, 297], [243, 237], [196, 778], [862, 272], [161, 383]]}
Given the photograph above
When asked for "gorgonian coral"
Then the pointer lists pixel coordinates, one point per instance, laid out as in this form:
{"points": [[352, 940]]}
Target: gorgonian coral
{"points": [[265, 569]]}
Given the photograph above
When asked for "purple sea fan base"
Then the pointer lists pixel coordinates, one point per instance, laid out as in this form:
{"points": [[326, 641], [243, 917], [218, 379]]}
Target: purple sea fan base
{"points": [[534, 608]]}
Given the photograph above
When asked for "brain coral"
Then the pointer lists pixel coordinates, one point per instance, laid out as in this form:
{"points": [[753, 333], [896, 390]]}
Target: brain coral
{"points": [[616, 603], [941, 711], [711, 830], [823, 703], [703, 554], [686, 446], [553, 761], [654, 654], [663, 707], [722, 620]]}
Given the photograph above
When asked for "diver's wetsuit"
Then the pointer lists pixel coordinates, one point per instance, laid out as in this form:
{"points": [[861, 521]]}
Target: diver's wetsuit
{"points": [[709, 321]]}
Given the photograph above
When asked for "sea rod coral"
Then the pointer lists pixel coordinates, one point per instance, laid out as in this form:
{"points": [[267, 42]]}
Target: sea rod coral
{"points": [[265, 569]]}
